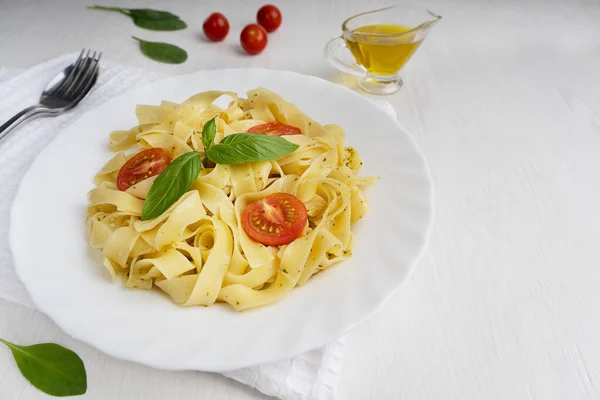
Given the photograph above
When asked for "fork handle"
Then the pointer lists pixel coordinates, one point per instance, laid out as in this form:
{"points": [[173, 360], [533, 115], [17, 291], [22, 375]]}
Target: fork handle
{"points": [[20, 117]]}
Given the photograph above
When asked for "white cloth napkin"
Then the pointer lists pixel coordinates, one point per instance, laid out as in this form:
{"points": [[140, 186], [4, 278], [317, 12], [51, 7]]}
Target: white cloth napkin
{"points": [[310, 376]]}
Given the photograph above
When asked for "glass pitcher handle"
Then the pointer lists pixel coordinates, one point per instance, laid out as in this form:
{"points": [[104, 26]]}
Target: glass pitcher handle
{"points": [[335, 50]]}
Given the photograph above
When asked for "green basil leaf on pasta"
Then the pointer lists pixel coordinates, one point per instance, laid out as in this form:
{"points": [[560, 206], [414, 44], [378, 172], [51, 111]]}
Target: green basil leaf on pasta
{"points": [[162, 52], [246, 147], [208, 133], [51, 368], [171, 184]]}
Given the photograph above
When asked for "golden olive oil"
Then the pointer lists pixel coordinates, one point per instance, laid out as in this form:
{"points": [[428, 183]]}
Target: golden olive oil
{"points": [[382, 55]]}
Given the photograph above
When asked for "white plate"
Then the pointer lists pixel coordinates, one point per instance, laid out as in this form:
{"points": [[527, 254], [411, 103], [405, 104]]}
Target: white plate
{"points": [[67, 281]]}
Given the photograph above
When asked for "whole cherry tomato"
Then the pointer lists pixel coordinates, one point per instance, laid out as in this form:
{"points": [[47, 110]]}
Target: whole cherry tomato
{"points": [[269, 17], [254, 38], [216, 27]]}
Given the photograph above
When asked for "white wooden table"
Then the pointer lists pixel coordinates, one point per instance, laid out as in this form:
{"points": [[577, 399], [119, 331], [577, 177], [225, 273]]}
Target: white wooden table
{"points": [[503, 99]]}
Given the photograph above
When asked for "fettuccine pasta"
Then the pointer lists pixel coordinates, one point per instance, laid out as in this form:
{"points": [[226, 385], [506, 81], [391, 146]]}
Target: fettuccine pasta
{"points": [[197, 251]]}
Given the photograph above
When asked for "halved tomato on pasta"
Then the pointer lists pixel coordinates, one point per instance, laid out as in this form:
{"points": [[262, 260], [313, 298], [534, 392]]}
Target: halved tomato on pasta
{"points": [[276, 220], [275, 128], [143, 165]]}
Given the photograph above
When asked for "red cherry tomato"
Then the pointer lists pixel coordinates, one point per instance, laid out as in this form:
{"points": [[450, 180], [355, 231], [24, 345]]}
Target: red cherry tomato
{"points": [[254, 38], [276, 220], [143, 165], [275, 128], [269, 17], [216, 27]]}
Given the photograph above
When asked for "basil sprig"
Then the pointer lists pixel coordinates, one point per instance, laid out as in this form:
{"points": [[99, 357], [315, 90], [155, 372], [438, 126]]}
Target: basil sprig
{"points": [[162, 52], [171, 184], [237, 148], [209, 131], [247, 147], [147, 18], [155, 20], [51, 368]]}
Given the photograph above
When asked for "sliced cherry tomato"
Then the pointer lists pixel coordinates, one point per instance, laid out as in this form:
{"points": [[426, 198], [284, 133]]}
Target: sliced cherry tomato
{"points": [[216, 27], [143, 165], [275, 128], [276, 220], [269, 17], [254, 38]]}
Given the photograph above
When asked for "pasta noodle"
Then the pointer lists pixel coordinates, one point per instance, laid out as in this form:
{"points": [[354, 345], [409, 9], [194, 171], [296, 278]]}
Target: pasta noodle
{"points": [[197, 251]]}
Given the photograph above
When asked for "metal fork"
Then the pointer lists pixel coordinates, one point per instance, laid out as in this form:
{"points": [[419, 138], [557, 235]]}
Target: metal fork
{"points": [[64, 91]]}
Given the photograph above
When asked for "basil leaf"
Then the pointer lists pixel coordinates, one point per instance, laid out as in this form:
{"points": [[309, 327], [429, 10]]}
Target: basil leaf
{"points": [[148, 13], [148, 18], [171, 184], [208, 133], [162, 52], [246, 147], [51, 368], [160, 25]]}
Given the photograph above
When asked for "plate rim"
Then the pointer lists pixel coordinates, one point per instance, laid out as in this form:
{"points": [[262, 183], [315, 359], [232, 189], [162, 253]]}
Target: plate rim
{"points": [[323, 339]]}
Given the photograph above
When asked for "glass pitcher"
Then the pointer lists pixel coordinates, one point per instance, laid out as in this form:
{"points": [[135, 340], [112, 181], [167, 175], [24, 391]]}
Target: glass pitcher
{"points": [[375, 45]]}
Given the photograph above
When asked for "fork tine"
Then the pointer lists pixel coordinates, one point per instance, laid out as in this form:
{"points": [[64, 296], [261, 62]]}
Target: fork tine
{"points": [[89, 85], [88, 79], [75, 67], [79, 70], [84, 53], [86, 75], [92, 80]]}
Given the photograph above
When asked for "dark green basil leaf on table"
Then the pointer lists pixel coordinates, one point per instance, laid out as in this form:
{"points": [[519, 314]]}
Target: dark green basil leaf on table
{"points": [[51, 368], [163, 52], [147, 18], [160, 25], [246, 147], [148, 13], [171, 184]]}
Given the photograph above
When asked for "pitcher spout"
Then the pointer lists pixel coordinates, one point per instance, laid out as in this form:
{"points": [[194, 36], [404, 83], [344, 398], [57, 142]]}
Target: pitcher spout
{"points": [[427, 25]]}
